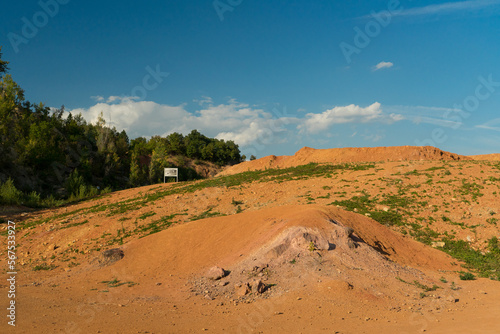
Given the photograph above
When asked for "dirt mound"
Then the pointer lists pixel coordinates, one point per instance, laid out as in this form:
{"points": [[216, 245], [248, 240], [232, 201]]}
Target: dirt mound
{"points": [[487, 157], [274, 237], [345, 155]]}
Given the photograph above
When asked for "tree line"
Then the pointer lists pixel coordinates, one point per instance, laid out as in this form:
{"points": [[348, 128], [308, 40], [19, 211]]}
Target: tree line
{"points": [[51, 154]]}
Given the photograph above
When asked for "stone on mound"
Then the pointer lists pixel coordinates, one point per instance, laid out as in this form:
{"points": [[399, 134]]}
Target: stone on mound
{"points": [[109, 256]]}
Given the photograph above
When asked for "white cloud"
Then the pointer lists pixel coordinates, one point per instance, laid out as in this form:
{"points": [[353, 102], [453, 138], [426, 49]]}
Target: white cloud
{"points": [[205, 100], [444, 117], [346, 114], [231, 121], [373, 137], [494, 125], [382, 65], [246, 125], [97, 98], [448, 7]]}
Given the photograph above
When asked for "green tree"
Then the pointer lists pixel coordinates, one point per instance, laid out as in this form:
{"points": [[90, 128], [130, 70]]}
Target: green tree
{"points": [[3, 63], [158, 163], [175, 144]]}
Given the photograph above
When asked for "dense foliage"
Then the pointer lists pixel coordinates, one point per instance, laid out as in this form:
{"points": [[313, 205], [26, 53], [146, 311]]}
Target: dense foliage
{"points": [[52, 153]]}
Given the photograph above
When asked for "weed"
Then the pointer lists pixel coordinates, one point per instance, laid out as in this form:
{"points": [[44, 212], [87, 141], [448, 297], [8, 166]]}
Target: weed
{"points": [[311, 247], [425, 287], [492, 221], [146, 215], [116, 283], [235, 203], [467, 276], [207, 214], [44, 266]]}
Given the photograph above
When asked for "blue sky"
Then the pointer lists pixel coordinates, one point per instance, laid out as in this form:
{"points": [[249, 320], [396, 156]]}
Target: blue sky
{"points": [[273, 76]]}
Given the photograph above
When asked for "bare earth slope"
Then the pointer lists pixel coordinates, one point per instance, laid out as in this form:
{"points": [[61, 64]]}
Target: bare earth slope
{"points": [[487, 157], [322, 269], [350, 284], [346, 155]]}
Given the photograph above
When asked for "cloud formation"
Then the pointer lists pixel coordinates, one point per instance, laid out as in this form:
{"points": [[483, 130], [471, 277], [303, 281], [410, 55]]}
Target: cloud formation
{"points": [[230, 121], [448, 7], [244, 124], [494, 125], [346, 114], [382, 65]]}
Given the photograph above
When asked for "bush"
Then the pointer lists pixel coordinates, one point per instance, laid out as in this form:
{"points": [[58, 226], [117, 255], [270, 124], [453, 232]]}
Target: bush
{"points": [[33, 199], [9, 194], [74, 183], [467, 276]]}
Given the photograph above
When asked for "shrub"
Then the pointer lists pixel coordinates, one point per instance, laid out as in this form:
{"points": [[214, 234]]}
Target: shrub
{"points": [[467, 276], [9, 194]]}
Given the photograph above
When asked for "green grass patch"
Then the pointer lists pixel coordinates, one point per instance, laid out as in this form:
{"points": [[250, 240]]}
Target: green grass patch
{"points": [[485, 265], [116, 283], [207, 214], [146, 215], [44, 266]]}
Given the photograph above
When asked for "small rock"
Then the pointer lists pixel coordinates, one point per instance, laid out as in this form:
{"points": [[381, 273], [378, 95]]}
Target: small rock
{"points": [[258, 286], [242, 289], [216, 273], [109, 256]]}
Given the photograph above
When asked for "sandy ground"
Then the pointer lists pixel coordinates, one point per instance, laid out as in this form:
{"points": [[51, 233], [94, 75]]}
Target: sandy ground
{"points": [[358, 277]]}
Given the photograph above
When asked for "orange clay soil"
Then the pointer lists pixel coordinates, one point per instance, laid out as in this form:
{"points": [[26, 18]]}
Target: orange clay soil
{"points": [[488, 157], [345, 155], [326, 270]]}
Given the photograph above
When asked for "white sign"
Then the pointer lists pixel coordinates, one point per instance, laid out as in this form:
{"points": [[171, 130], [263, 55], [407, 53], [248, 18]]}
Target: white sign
{"points": [[171, 172]]}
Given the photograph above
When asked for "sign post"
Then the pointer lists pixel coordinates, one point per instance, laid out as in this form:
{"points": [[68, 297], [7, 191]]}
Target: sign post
{"points": [[171, 172]]}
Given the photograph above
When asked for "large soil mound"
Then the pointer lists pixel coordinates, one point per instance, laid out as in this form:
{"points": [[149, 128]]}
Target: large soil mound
{"points": [[487, 157], [345, 155], [272, 238]]}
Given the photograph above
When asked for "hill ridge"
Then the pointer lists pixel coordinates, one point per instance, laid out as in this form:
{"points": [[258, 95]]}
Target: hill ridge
{"points": [[346, 155]]}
